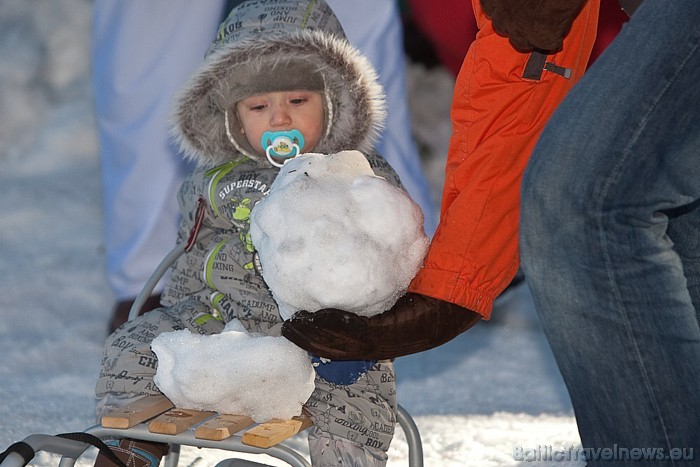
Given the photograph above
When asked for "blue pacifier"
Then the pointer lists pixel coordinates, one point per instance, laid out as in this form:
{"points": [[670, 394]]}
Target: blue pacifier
{"points": [[282, 145]]}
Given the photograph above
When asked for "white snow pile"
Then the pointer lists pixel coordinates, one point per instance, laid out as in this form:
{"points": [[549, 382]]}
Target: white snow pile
{"points": [[332, 234], [263, 377]]}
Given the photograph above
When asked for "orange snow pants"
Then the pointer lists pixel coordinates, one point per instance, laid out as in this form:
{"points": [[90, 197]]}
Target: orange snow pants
{"points": [[502, 100]]}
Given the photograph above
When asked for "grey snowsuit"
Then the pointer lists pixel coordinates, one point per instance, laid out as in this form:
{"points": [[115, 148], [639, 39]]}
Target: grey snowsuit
{"points": [[217, 281]]}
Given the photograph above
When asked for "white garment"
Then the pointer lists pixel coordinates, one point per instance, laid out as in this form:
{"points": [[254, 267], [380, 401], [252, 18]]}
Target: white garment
{"points": [[143, 53]]}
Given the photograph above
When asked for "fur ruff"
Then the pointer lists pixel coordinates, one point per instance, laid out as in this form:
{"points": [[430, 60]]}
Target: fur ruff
{"points": [[355, 100]]}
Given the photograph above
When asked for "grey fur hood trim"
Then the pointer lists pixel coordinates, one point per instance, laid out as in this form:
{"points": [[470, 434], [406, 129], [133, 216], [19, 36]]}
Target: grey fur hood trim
{"points": [[355, 106]]}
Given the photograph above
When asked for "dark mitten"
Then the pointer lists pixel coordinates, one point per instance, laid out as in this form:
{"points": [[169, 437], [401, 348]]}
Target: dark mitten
{"points": [[533, 24], [414, 324]]}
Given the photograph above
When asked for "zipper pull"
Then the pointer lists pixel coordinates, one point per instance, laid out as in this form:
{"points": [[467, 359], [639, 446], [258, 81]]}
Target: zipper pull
{"points": [[561, 71]]}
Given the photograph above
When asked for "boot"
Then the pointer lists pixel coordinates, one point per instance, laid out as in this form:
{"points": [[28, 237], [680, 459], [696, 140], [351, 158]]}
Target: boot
{"points": [[134, 453]]}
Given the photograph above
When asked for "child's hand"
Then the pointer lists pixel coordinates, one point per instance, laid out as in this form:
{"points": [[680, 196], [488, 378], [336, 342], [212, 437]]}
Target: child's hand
{"points": [[414, 324]]}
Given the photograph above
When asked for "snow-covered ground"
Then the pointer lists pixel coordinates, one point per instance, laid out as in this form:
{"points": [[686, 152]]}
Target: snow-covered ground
{"points": [[477, 400]]}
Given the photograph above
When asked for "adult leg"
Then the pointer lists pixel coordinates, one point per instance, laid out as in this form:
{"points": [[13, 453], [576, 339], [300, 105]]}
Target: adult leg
{"points": [[609, 234], [142, 54]]}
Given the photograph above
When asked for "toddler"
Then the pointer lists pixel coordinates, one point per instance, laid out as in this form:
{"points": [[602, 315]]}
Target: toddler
{"points": [[279, 80]]}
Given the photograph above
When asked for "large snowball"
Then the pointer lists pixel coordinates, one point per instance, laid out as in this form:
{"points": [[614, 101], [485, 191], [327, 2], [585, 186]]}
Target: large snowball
{"points": [[331, 234], [233, 372]]}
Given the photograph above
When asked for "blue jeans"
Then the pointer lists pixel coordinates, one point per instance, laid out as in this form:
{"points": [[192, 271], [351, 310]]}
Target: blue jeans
{"points": [[610, 238]]}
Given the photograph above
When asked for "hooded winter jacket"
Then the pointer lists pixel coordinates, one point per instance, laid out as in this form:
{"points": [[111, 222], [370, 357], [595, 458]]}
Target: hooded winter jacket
{"points": [[262, 46]]}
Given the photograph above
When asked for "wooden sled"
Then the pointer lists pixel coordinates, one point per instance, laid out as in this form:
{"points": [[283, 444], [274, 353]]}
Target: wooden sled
{"points": [[155, 418], [162, 417]]}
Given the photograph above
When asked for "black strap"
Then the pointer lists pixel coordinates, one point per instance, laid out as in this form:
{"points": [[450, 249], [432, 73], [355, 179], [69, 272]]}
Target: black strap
{"points": [[537, 63], [94, 441], [560, 70], [21, 448], [27, 452]]}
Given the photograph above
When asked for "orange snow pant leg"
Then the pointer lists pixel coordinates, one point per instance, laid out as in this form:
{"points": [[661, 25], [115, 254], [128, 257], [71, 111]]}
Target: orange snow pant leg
{"points": [[497, 115]]}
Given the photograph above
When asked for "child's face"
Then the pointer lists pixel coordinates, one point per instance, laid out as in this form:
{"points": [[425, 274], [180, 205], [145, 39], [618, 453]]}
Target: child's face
{"points": [[279, 111]]}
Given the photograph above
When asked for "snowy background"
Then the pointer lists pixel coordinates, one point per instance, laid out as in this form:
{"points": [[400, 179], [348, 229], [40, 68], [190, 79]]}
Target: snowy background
{"points": [[476, 399]]}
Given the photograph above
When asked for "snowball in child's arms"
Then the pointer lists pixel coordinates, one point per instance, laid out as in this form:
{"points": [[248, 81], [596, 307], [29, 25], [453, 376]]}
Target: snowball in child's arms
{"points": [[331, 234], [262, 377]]}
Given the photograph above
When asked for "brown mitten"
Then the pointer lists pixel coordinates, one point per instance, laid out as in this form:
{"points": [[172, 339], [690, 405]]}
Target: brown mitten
{"points": [[414, 324], [533, 24]]}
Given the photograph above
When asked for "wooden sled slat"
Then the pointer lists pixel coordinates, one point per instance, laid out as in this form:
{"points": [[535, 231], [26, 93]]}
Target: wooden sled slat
{"points": [[163, 417], [137, 412], [177, 420], [272, 432], [222, 427]]}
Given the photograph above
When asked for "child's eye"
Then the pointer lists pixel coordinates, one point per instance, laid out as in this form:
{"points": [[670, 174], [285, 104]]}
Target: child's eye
{"points": [[298, 100], [257, 107]]}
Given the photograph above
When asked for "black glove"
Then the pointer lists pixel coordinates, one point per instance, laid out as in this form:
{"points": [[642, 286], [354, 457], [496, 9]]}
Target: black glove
{"points": [[414, 324], [533, 24]]}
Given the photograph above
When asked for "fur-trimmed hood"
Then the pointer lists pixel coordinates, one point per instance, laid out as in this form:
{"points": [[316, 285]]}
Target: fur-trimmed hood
{"points": [[278, 45]]}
